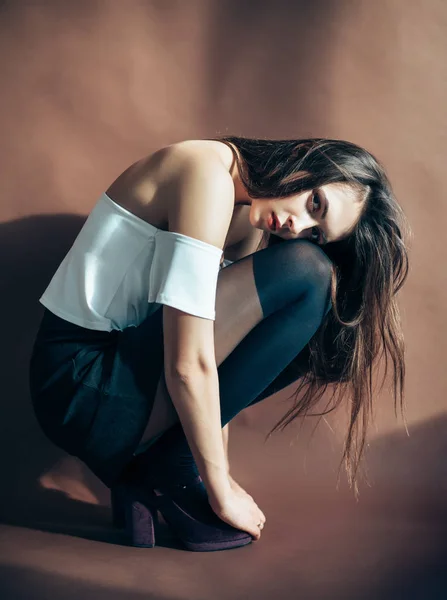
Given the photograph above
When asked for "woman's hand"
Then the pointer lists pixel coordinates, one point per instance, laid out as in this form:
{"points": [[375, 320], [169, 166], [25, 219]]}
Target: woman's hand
{"points": [[239, 490], [239, 510]]}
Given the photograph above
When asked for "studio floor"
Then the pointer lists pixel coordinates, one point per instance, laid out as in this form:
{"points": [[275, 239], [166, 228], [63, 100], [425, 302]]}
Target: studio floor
{"points": [[318, 543]]}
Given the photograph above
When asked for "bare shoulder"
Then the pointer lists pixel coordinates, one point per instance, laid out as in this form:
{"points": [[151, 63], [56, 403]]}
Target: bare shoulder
{"points": [[203, 169], [199, 191], [149, 188], [208, 158]]}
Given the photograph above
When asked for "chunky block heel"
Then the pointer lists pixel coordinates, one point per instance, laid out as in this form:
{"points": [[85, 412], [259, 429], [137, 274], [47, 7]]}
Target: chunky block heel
{"points": [[133, 510], [140, 524]]}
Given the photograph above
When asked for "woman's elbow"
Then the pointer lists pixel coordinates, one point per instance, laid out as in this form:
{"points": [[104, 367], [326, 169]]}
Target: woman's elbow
{"points": [[187, 371]]}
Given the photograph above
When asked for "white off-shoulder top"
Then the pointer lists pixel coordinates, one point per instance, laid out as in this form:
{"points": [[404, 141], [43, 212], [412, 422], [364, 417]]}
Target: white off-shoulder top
{"points": [[120, 269]]}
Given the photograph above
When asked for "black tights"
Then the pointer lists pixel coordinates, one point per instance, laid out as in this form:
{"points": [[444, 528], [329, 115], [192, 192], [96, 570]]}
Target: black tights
{"points": [[293, 285]]}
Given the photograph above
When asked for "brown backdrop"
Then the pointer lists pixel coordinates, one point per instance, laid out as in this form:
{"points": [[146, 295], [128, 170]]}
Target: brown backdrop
{"points": [[89, 87]]}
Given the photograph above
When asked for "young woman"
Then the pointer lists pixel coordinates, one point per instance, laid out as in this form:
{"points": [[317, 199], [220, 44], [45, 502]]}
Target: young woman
{"points": [[210, 275]]}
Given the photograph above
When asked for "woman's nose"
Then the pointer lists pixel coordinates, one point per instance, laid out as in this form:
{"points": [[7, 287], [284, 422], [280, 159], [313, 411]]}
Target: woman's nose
{"points": [[297, 225]]}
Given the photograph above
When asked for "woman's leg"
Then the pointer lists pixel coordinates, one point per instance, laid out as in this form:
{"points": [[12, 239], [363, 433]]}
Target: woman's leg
{"points": [[268, 307], [248, 291]]}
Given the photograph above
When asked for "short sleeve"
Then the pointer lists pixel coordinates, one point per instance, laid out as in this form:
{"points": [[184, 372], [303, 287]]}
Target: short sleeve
{"points": [[184, 273]]}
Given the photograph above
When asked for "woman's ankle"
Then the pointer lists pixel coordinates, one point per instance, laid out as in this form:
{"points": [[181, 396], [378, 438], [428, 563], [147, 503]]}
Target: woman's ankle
{"points": [[167, 460]]}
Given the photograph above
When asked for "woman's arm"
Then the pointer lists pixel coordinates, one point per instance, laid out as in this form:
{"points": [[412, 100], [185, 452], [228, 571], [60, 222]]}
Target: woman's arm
{"points": [[225, 432], [200, 193], [195, 395]]}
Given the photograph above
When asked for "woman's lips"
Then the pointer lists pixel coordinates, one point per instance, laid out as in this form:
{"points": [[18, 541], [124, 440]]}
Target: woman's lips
{"points": [[277, 223], [273, 222]]}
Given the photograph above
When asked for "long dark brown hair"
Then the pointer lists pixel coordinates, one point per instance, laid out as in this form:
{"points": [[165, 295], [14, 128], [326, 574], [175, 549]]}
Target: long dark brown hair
{"points": [[368, 269]]}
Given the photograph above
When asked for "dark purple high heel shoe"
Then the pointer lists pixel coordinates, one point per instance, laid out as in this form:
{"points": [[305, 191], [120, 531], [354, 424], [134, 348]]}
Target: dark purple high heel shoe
{"points": [[186, 510]]}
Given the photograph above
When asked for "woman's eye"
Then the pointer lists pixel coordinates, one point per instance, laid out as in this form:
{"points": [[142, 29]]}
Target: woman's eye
{"points": [[316, 198], [317, 233]]}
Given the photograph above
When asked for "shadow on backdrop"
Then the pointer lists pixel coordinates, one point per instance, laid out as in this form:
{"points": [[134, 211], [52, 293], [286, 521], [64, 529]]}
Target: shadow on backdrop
{"points": [[30, 251]]}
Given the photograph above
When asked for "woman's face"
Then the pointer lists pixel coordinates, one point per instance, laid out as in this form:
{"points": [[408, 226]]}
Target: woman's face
{"points": [[322, 215]]}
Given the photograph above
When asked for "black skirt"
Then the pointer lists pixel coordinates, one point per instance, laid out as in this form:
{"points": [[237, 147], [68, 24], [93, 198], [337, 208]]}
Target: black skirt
{"points": [[93, 391]]}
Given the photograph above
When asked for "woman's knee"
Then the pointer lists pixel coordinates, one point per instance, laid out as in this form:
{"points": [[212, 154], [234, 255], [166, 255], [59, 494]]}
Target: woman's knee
{"points": [[290, 271]]}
